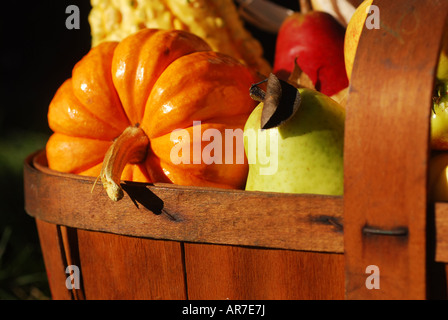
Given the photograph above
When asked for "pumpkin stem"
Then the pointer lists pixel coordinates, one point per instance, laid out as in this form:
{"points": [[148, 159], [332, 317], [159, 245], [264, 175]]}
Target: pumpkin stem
{"points": [[130, 147]]}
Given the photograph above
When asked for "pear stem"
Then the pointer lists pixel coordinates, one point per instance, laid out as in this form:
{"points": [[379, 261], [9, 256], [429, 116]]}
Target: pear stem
{"points": [[305, 6], [130, 147], [280, 101], [256, 93]]}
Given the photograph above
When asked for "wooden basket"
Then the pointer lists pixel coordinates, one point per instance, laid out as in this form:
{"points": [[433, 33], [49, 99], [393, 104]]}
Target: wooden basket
{"points": [[171, 242]]}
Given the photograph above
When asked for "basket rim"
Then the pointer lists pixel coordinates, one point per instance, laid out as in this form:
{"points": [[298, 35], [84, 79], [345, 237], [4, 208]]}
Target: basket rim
{"points": [[190, 214]]}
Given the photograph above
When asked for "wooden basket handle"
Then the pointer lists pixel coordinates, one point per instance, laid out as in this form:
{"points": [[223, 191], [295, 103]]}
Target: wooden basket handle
{"points": [[387, 149]]}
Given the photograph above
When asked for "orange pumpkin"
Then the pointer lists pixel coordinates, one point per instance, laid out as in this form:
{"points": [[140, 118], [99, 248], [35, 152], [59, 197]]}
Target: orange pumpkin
{"points": [[115, 115]]}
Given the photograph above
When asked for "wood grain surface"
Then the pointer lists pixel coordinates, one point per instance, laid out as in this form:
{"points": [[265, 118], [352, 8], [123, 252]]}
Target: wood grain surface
{"points": [[386, 149], [118, 267], [54, 259], [242, 273], [112, 267], [441, 234], [116, 246], [286, 221]]}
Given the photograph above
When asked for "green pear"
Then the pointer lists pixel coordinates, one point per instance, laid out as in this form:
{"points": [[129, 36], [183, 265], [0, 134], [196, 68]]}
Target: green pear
{"points": [[303, 154], [439, 117], [439, 112], [442, 67]]}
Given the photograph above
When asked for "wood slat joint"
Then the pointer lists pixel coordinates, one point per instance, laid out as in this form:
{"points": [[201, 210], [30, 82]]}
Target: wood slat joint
{"points": [[336, 222]]}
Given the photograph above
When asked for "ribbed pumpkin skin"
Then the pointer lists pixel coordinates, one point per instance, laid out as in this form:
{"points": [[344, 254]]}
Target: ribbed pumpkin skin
{"points": [[162, 80]]}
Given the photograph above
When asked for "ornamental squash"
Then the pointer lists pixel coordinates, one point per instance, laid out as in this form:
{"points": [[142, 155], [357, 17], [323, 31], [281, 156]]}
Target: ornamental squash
{"points": [[117, 115]]}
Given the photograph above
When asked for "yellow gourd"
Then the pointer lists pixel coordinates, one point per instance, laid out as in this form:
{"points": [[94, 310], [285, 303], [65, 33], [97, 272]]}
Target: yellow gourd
{"points": [[215, 21]]}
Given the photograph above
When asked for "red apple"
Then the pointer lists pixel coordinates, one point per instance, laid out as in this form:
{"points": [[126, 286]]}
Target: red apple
{"points": [[315, 40]]}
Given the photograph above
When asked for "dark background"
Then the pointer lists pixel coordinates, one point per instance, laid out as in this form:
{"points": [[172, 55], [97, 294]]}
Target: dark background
{"points": [[37, 54]]}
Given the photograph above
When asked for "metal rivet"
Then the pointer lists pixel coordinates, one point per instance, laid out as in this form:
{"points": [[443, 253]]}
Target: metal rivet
{"points": [[399, 231]]}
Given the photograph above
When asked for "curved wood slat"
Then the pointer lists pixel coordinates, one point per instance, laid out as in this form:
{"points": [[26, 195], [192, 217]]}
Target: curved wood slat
{"points": [[386, 149], [287, 221], [441, 222]]}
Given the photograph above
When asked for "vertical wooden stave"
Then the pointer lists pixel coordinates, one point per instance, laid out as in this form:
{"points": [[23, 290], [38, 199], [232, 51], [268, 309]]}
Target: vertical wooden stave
{"points": [[54, 259], [116, 267], [387, 150], [111, 266], [246, 273]]}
